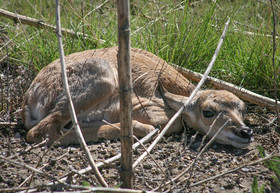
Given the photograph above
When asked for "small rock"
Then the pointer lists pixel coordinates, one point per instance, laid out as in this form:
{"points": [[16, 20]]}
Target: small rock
{"points": [[147, 166], [196, 145], [213, 161], [48, 168], [238, 152], [52, 162], [107, 142], [245, 169], [104, 151], [17, 135], [64, 162], [229, 186]]}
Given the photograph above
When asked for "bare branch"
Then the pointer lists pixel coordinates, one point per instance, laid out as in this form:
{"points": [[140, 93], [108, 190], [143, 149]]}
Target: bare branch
{"points": [[9, 124], [80, 188], [118, 190], [39, 24], [233, 170], [34, 22], [238, 91], [71, 105]]}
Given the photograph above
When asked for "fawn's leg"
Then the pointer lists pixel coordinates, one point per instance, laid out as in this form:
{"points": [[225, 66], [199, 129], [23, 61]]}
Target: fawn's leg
{"points": [[94, 131]]}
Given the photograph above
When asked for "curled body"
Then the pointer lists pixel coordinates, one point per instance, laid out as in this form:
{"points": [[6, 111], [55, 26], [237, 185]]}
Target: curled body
{"points": [[158, 92]]}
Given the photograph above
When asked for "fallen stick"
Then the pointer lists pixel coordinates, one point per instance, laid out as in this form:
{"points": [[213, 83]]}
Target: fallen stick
{"points": [[78, 189], [40, 24], [4, 124], [237, 90], [35, 22], [118, 190]]}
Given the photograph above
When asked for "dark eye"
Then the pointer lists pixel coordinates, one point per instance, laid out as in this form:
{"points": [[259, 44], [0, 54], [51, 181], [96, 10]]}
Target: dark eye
{"points": [[208, 114]]}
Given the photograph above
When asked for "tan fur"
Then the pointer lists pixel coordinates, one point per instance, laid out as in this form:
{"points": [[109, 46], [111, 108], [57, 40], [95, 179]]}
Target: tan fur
{"points": [[159, 91]]}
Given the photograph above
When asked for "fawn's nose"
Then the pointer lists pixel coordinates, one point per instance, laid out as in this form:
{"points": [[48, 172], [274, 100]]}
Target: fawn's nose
{"points": [[246, 132]]}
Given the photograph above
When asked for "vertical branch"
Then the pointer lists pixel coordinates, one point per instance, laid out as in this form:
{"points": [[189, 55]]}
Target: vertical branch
{"points": [[82, 10], [71, 105], [125, 85], [273, 61]]}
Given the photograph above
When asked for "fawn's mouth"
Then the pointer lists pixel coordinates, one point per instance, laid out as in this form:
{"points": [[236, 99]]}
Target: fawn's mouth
{"points": [[240, 142]]}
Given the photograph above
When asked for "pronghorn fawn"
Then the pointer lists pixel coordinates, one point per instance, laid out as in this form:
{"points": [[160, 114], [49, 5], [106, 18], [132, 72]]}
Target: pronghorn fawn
{"points": [[158, 92]]}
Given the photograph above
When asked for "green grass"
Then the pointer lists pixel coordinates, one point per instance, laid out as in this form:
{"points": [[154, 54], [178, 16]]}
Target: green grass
{"points": [[274, 165], [182, 32]]}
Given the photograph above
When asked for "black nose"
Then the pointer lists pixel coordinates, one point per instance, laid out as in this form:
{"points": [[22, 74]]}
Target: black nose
{"points": [[246, 132]]}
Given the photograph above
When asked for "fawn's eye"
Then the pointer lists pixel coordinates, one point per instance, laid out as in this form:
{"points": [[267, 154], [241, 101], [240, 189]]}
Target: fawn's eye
{"points": [[208, 113]]}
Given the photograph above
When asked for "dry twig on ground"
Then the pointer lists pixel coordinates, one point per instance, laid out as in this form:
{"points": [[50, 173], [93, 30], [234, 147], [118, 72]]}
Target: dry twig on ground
{"points": [[233, 170], [40, 24]]}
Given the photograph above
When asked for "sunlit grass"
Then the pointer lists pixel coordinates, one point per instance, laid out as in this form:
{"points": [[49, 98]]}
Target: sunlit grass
{"points": [[182, 32]]}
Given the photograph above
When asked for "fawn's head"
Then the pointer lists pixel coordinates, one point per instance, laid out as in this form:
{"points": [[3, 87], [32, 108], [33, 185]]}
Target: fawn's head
{"points": [[212, 109]]}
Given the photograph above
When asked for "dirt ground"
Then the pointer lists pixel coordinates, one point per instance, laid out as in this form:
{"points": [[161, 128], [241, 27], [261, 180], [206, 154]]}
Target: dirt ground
{"points": [[174, 154]]}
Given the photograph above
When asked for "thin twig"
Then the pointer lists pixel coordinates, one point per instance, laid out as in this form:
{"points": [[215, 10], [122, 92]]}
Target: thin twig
{"points": [[143, 146], [33, 189], [9, 124], [189, 99], [29, 178], [29, 148], [116, 157], [208, 132], [81, 189], [255, 34], [118, 190], [30, 168], [71, 105], [207, 145], [232, 170], [198, 155], [96, 8], [159, 18]]}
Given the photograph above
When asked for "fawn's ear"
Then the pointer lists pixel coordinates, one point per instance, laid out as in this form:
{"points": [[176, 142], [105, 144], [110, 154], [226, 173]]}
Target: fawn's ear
{"points": [[172, 100]]}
